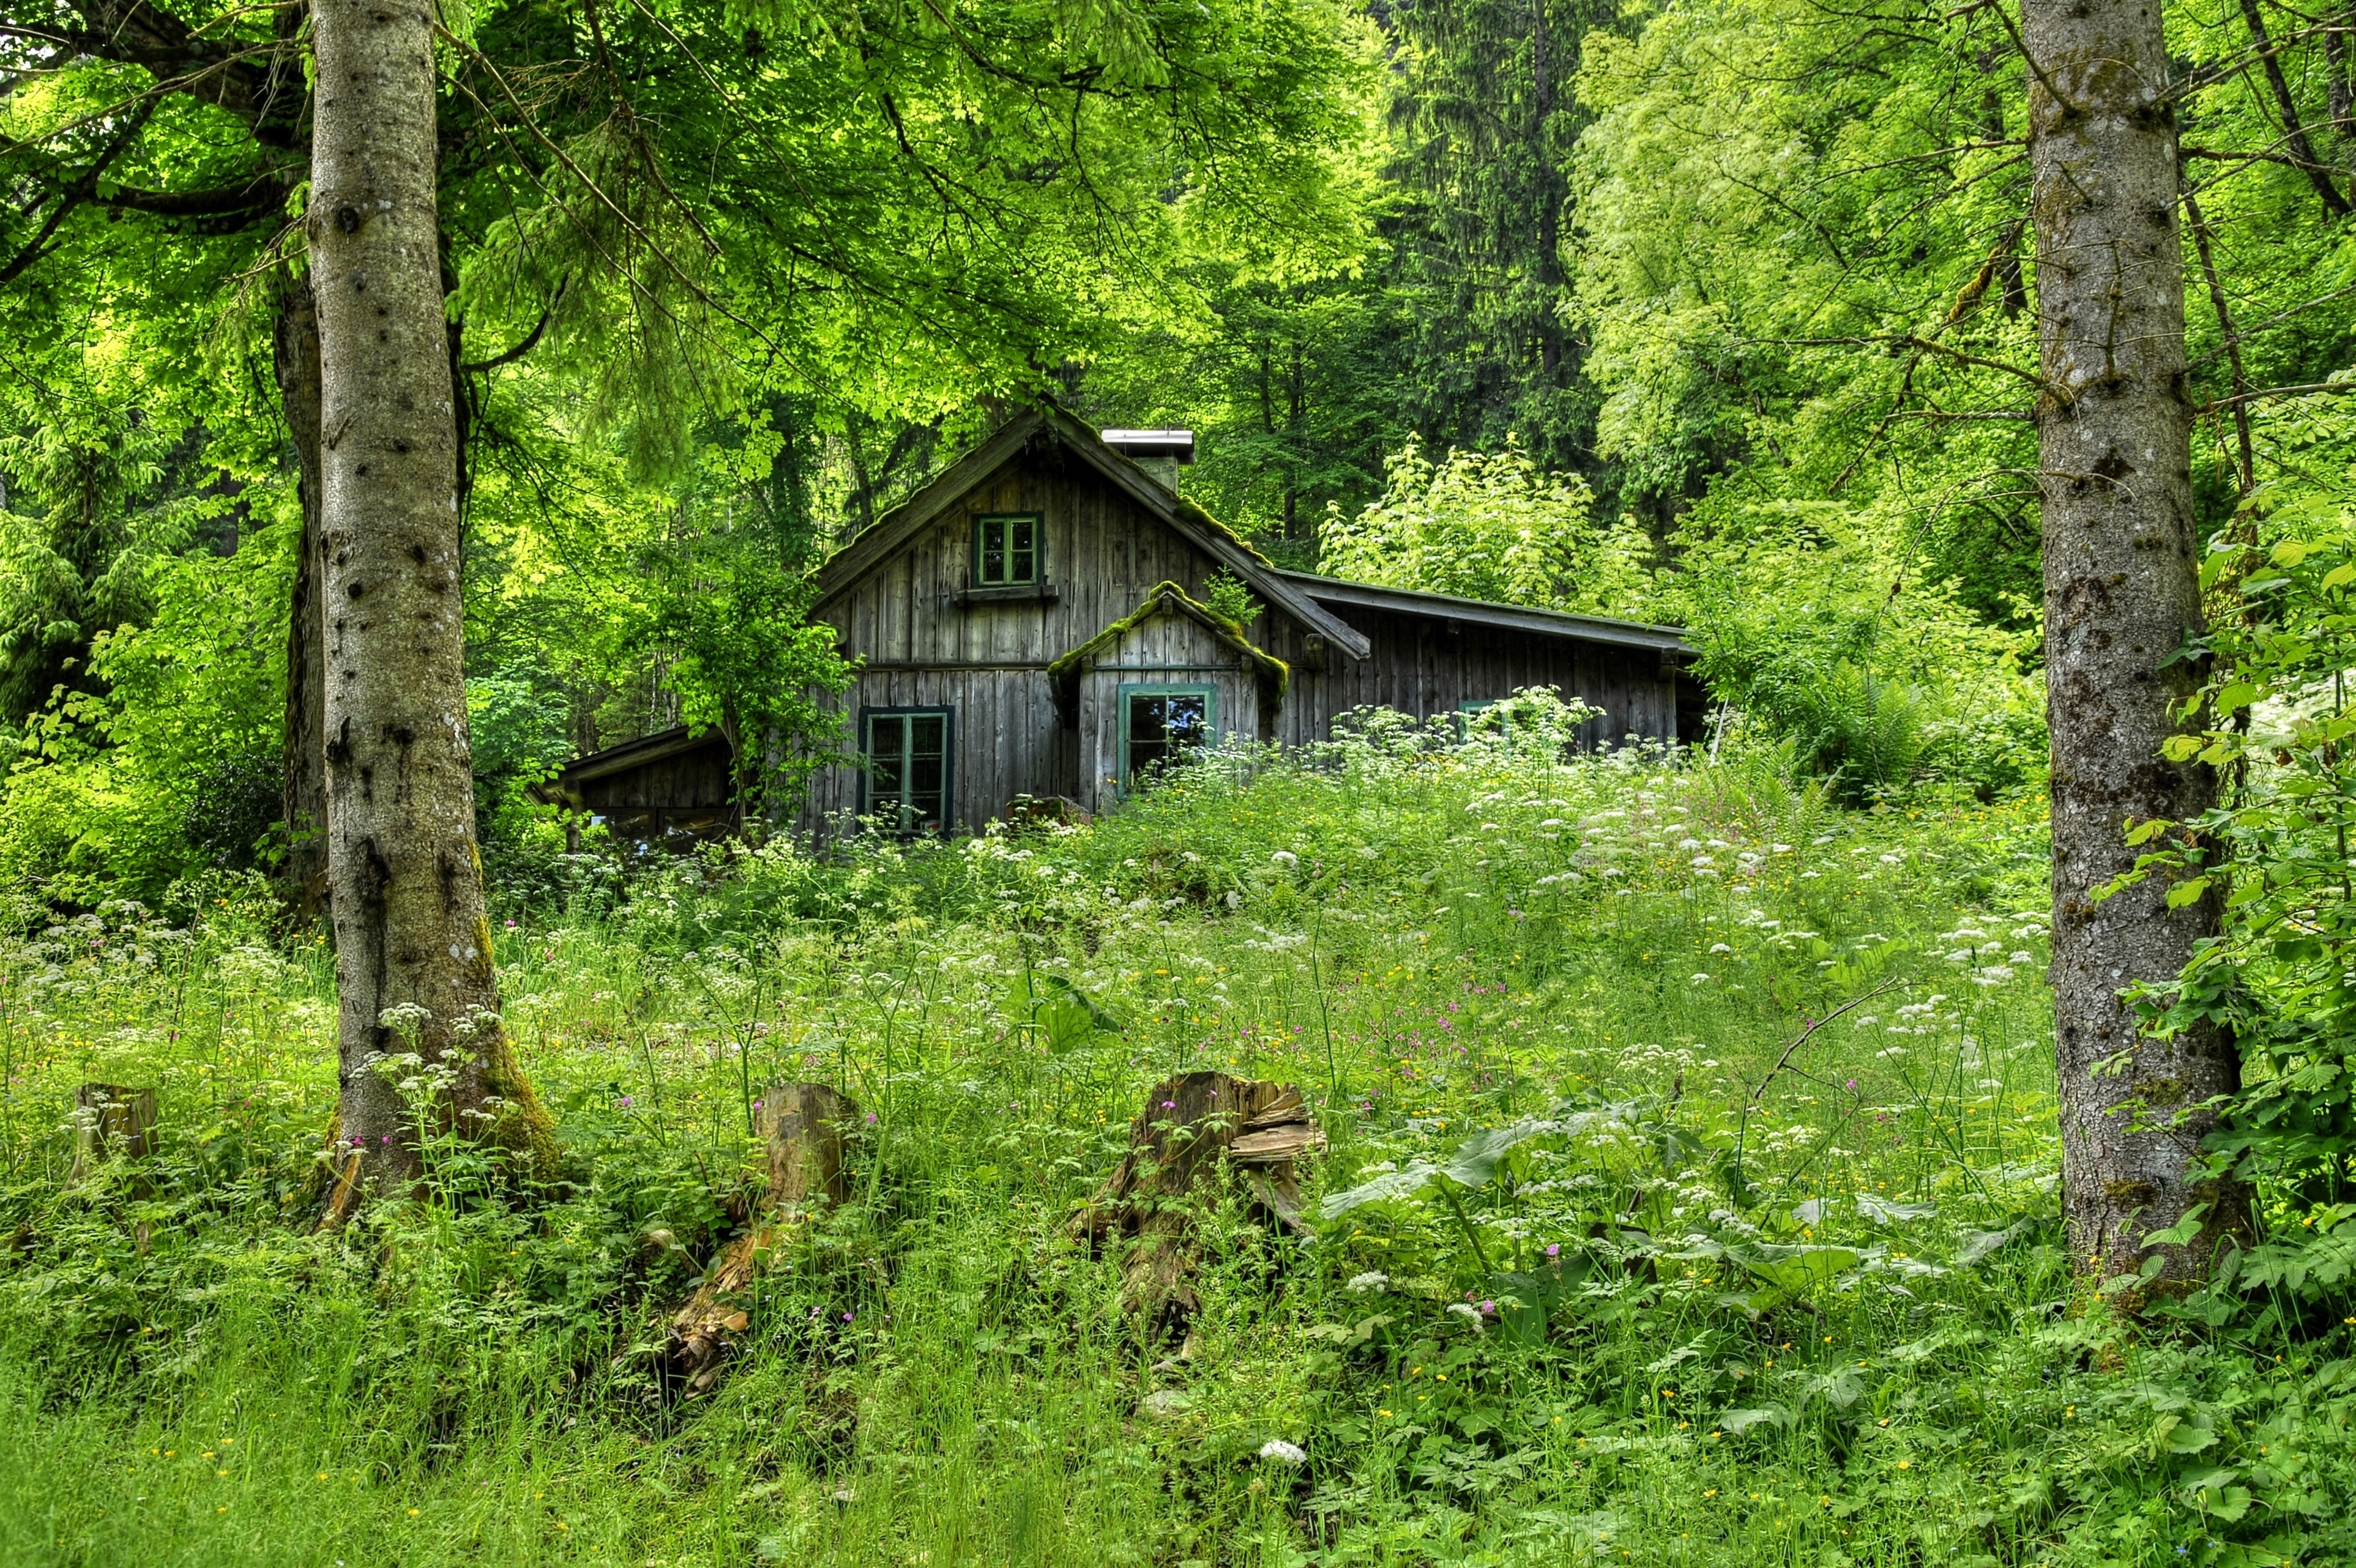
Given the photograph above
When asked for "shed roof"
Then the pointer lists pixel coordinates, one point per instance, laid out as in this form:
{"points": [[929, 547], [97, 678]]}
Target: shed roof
{"points": [[1337, 591], [564, 789], [1169, 599]]}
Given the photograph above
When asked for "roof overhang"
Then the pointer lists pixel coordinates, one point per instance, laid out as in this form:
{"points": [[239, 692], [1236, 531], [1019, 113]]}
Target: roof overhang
{"points": [[1190, 522], [1333, 592], [564, 789]]}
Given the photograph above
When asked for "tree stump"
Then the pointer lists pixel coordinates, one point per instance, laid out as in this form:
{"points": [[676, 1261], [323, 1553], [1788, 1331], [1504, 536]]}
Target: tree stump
{"points": [[803, 1125], [1194, 1126], [111, 1121]]}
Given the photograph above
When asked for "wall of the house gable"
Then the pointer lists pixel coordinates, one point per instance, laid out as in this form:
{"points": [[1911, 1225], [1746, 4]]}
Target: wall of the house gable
{"points": [[988, 662], [1425, 666], [1168, 650]]}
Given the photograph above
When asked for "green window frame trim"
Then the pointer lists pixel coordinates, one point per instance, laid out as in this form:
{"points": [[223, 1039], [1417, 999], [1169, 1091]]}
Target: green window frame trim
{"points": [[1010, 549], [907, 789], [1467, 712], [1126, 694]]}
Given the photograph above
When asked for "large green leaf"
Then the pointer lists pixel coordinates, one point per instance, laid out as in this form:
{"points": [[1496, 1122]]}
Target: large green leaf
{"points": [[1479, 1157], [1390, 1186], [1791, 1273]]}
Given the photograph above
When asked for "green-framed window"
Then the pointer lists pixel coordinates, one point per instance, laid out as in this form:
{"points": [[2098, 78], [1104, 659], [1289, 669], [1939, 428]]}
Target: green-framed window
{"points": [[906, 787], [1162, 724], [1009, 549], [1468, 719]]}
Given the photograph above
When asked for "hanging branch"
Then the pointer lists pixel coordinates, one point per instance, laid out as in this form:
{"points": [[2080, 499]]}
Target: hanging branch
{"points": [[2006, 245], [530, 339], [2232, 340], [2295, 133]]}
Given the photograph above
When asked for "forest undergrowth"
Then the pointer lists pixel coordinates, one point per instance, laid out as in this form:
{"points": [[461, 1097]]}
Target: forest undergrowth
{"points": [[1606, 1268]]}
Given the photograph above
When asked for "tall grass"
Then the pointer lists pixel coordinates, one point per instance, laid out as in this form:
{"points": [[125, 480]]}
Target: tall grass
{"points": [[1614, 954]]}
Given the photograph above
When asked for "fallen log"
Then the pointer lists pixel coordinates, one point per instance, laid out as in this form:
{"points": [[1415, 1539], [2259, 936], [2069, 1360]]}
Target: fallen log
{"points": [[1195, 1129], [803, 1125]]}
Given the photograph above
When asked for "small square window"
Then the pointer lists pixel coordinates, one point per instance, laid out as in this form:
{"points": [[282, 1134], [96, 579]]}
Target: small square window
{"points": [[1161, 725], [1489, 716], [1008, 549]]}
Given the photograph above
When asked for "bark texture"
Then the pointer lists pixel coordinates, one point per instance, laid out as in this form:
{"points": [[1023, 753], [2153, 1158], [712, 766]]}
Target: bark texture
{"points": [[2121, 595], [412, 946], [803, 1124], [303, 792], [1194, 1126], [112, 1121]]}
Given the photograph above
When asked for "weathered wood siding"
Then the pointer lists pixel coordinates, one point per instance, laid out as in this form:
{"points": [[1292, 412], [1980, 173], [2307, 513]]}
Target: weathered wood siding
{"points": [[1168, 650], [690, 792], [1424, 666], [923, 648]]}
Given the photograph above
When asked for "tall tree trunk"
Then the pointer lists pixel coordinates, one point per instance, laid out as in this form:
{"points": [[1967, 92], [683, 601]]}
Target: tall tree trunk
{"points": [[413, 946], [2121, 595], [1550, 197], [303, 792]]}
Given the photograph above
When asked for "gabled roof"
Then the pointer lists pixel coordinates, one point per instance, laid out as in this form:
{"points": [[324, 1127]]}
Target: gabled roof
{"points": [[1334, 591], [1167, 599], [874, 545]]}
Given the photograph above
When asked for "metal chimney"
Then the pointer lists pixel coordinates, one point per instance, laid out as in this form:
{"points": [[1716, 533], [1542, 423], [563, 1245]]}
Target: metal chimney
{"points": [[1158, 452]]}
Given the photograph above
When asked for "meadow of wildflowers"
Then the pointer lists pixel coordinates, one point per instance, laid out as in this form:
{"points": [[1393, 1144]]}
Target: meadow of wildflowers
{"points": [[1689, 1199]]}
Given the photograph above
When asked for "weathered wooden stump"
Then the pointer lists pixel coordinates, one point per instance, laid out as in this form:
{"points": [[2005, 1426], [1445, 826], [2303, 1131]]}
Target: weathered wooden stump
{"points": [[1195, 1126], [112, 1121], [803, 1125]]}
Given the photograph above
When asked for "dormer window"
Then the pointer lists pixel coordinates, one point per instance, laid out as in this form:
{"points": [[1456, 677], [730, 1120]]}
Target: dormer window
{"points": [[1008, 549]]}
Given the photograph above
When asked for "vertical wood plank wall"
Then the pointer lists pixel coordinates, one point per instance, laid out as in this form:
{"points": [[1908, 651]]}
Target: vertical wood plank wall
{"points": [[1423, 665], [692, 792], [1169, 650], [1104, 553], [988, 662], [699, 780]]}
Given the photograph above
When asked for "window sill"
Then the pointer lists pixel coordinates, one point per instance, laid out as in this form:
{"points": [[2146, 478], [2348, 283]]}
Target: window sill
{"points": [[1013, 594]]}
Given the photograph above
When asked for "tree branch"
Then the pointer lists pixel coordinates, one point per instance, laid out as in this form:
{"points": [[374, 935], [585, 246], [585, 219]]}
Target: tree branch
{"points": [[255, 197], [72, 196], [531, 340], [133, 32], [2261, 395], [2296, 133]]}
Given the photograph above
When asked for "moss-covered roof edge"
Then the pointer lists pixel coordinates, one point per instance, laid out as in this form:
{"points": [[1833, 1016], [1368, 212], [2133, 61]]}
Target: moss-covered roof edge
{"points": [[1167, 597]]}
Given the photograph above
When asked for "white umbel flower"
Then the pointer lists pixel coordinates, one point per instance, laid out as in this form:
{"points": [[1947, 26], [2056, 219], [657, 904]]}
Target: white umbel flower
{"points": [[1284, 1453]]}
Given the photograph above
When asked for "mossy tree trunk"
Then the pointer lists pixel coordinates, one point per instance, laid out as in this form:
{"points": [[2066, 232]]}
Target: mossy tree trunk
{"points": [[2121, 596], [414, 963]]}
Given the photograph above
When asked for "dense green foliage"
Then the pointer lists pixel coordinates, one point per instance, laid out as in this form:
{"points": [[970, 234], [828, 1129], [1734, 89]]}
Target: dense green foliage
{"points": [[1720, 315], [1685, 1293]]}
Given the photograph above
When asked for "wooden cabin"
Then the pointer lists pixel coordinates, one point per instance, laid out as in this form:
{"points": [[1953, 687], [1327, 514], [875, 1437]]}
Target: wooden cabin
{"points": [[1034, 623]]}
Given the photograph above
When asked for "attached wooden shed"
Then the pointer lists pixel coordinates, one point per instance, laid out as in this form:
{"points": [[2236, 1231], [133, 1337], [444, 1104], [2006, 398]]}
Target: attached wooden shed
{"points": [[1176, 676], [666, 790]]}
